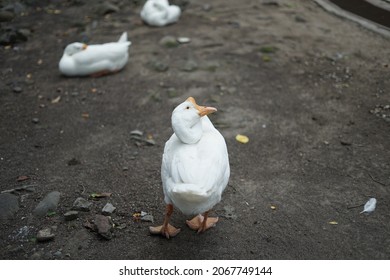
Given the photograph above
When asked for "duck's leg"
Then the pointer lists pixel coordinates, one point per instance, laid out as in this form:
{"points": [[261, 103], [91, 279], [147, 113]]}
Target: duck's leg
{"points": [[202, 223], [166, 229]]}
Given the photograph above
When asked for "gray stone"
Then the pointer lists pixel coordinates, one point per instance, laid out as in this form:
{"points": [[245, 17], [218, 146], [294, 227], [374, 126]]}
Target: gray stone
{"points": [[45, 235], [160, 66], [35, 120], [82, 204], [71, 215], [108, 209], [169, 42], [9, 205], [190, 66], [147, 218], [17, 89], [103, 226], [107, 8], [49, 203], [6, 16]]}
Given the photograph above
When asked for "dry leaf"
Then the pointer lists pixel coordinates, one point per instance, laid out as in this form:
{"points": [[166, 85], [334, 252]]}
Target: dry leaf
{"points": [[100, 195], [333, 223], [85, 115], [242, 138], [273, 207], [22, 178], [93, 90], [56, 100]]}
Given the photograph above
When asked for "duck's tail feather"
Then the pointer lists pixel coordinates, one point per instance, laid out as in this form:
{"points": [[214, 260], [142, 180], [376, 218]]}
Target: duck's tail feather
{"points": [[124, 39]]}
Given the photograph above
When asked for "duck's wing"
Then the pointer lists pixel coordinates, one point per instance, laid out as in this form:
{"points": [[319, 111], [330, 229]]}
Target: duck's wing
{"points": [[204, 166], [96, 53]]}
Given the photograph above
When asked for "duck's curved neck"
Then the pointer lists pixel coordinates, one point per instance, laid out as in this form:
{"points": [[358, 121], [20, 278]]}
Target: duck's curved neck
{"points": [[188, 134]]}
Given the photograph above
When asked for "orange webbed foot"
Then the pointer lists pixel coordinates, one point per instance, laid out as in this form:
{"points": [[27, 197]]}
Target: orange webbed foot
{"points": [[201, 224], [167, 231]]}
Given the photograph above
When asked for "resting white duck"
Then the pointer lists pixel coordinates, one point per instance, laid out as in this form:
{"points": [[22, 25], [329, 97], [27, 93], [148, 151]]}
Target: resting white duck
{"points": [[96, 60], [195, 168], [160, 13]]}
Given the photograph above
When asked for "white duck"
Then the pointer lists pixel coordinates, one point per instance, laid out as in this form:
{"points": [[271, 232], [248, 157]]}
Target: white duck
{"points": [[160, 13], [82, 60], [195, 168]]}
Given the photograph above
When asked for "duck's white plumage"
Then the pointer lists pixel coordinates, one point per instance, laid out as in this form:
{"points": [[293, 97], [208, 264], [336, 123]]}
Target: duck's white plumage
{"points": [[82, 60], [160, 13], [195, 167], [195, 175]]}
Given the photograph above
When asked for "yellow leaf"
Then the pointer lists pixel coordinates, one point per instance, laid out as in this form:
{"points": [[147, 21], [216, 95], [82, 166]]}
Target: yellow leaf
{"points": [[242, 138], [333, 223]]}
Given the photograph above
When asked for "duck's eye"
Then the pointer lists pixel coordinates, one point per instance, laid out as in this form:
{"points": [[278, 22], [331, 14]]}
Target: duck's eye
{"points": [[188, 107]]}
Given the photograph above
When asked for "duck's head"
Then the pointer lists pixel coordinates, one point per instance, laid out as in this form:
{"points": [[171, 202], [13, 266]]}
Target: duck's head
{"points": [[186, 120], [74, 48]]}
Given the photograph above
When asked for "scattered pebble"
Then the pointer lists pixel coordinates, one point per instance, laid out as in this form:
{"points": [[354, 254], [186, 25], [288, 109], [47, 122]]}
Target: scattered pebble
{"points": [[103, 226], [136, 132], [17, 89], [108, 209], [71, 215], [73, 161], [183, 40], [45, 235], [35, 120], [82, 204], [190, 66], [169, 41], [9, 205], [49, 203]]}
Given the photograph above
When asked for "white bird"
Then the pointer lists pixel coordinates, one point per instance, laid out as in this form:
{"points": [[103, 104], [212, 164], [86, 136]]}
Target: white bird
{"points": [[195, 168], [160, 13], [82, 60]]}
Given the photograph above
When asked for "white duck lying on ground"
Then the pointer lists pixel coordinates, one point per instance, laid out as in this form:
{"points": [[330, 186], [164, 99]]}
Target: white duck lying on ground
{"points": [[160, 13], [195, 168], [82, 60]]}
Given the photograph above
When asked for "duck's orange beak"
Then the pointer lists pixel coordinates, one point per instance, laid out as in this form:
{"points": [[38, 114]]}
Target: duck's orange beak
{"points": [[85, 46], [203, 110]]}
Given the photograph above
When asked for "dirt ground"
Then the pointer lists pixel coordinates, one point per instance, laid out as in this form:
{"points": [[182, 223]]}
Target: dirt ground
{"points": [[309, 90]]}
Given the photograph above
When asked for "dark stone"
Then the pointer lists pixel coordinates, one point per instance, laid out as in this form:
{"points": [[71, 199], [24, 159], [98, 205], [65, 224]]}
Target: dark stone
{"points": [[49, 203], [9, 205]]}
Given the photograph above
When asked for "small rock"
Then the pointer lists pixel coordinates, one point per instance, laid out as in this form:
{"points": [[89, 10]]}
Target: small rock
{"points": [[49, 203], [160, 66], [71, 215], [9, 205], [107, 8], [17, 89], [108, 209], [300, 19], [183, 40], [230, 212], [45, 235], [82, 204], [270, 2], [58, 254], [206, 7], [147, 218], [345, 143], [6, 16], [169, 42], [103, 226], [35, 120], [136, 132], [190, 66], [73, 161]]}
